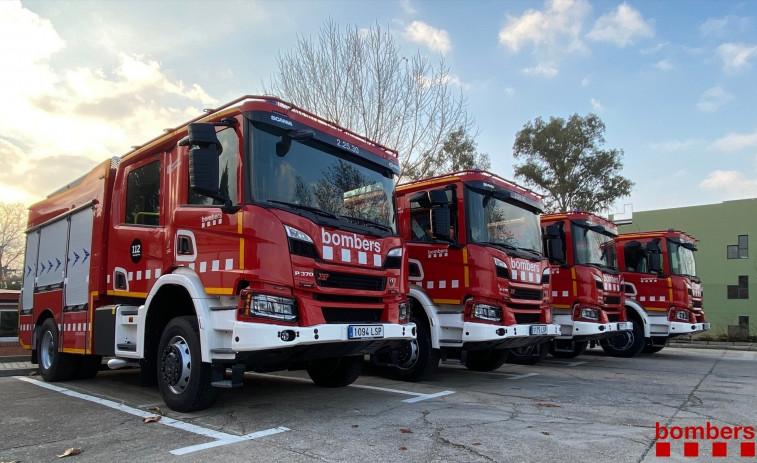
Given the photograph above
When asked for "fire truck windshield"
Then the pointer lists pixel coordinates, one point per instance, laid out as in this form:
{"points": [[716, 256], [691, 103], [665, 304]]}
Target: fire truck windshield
{"points": [[682, 260], [592, 247], [314, 176], [505, 222]]}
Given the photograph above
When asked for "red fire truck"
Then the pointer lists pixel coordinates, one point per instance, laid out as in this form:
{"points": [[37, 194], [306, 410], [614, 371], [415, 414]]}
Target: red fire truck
{"points": [[479, 283], [256, 237], [663, 294], [587, 287]]}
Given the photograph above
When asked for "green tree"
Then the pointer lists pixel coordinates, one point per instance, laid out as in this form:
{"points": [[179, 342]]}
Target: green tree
{"points": [[565, 160], [358, 78], [458, 152]]}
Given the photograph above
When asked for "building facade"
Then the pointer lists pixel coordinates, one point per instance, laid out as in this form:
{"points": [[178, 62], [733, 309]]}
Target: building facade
{"points": [[724, 262]]}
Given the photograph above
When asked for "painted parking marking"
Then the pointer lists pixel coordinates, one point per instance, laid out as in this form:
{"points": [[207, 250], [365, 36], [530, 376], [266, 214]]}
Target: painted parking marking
{"points": [[418, 396], [564, 363], [221, 438]]}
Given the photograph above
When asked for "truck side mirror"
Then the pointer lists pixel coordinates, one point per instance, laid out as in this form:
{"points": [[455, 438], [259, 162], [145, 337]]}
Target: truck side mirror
{"points": [[654, 256], [203, 158], [555, 244]]}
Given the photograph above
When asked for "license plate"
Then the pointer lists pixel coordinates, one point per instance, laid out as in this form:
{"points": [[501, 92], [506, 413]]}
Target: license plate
{"points": [[538, 329], [624, 325], [365, 332]]}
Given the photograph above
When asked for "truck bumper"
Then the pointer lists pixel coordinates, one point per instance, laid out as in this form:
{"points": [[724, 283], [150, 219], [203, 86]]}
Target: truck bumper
{"points": [[678, 328], [256, 337], [587, 331], [501, 336]]}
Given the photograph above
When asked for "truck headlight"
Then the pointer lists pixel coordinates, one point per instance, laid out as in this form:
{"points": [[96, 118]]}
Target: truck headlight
{"points": [[487, 312], [275, 307], [404, 312], [589, 314], [682, 315], [501, 268]]}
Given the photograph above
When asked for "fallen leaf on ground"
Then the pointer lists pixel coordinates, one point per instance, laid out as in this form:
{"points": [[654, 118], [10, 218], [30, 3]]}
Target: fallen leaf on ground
{"points": [[151, 419], [403, 448], [156, 410], [542, 404], [70, 452], [406, 431]]}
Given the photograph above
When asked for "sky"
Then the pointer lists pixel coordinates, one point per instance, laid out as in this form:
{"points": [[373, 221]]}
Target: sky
{"points": [[675, 82]]}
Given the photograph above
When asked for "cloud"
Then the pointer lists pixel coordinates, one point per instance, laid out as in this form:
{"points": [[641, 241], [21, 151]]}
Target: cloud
{"points": [[664, 65], [585, 82], [433, 38], [733, 183], [736, 56], [735, 142], [596, 105], [548, 70], [558, 25], [621, 27], [723, 26], [712, 99], [66, 120]]}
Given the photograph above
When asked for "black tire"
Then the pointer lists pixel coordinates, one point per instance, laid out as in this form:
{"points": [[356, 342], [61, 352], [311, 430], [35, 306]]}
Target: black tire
{"points": [[486, 360], [183, 379], [651, 349], [335, 372], [88, 367], [579, 347], [528, 355], [417, 359], [53, 365], [626, 344]]}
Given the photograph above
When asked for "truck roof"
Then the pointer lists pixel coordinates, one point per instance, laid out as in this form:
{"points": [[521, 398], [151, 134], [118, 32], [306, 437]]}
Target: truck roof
{"points": [[467, 176], [669, 233], [580, 215]]}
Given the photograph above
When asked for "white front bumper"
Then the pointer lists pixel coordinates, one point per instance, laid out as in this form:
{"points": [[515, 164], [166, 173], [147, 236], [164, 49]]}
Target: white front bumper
{"points": [[249, 337], [677, 328], [573, 329], [482, 332]]}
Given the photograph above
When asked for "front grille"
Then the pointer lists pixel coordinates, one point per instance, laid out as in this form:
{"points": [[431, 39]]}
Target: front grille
{"points": [[346, 299], [528, 294], [349, 281], [526, 318], [612, 300], [338, 315], [613, 317], [697, 304]]}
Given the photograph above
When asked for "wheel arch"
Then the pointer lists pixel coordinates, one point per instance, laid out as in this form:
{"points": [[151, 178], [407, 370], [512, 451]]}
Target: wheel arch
{"points": [[421, 302], [636, 311]]}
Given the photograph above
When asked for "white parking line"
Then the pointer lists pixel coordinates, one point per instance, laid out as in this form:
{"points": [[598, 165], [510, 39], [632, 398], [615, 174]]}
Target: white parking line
{"points": [[419, 396], [222, 438], [564, 363]]}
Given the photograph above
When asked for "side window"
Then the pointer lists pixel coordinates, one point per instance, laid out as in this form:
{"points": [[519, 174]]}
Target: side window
{"points": [[228, 161], [143, 195], [420, 223], [635, 257]]}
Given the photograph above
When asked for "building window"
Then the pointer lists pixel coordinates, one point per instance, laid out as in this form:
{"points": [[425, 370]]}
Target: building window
{"points": [[741, 250], [9, 323], [740, 291]]}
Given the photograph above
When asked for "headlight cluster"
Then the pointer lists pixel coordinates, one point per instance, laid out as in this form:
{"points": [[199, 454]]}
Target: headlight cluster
{"points": [[487, 312], [589, 314], [501, 268], [405, 312], [275, 307]]}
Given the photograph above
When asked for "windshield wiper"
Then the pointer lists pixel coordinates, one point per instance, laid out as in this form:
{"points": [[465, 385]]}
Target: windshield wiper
{"points": [[496, 244], [312, 209], [532, 251], [360, 220]]}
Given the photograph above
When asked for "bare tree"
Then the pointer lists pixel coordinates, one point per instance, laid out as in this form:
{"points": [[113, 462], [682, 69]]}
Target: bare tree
{"points": [[12, 227], [358, 79]]}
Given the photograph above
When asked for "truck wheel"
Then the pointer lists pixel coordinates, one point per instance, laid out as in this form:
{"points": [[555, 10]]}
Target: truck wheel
{"points": [[651, 349], [486, 360], [183, 379], [88, 367], [53, 365], [417, 359], [335, 372], [626, 344], [579, 347], [528, 355]]}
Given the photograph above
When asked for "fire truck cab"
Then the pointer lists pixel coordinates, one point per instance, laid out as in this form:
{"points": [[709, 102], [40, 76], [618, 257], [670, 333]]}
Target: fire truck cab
{"points": [[256, 237], [663, 294], [479, 283], [587, 287]]}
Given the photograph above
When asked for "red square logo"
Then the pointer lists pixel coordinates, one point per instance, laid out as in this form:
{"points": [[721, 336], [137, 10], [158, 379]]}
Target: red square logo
{"points": [[747, 449], [691, 449], [662, 449], [719, 449]]}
